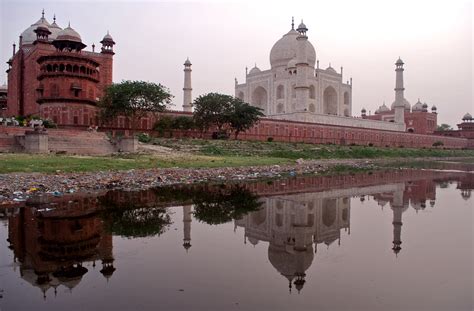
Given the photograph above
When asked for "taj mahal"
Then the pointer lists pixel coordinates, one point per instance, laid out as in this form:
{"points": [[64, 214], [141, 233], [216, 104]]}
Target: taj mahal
{"points": [[295, 88]]}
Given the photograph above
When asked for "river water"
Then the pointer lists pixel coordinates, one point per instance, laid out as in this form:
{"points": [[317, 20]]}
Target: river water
{"points": [[382, 240]]}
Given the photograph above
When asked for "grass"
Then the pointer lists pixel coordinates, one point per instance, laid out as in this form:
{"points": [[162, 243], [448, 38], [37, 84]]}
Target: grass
{"points": [[27, 163], [300, 150], [195, 153]]}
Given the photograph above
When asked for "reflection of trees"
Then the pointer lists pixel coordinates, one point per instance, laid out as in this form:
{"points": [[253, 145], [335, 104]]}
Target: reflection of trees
{"points": [[213, 204], [225, 205], [129, 219]]}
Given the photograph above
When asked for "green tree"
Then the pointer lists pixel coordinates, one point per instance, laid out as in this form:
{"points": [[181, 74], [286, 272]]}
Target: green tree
{"points": [[134, 99], [212, 110], [183, 123], [243, 116], [444, 127], [163, 124]]}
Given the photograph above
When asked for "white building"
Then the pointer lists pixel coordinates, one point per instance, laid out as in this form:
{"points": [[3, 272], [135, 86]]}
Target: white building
{"points": [[294, 89], [293, 71]]}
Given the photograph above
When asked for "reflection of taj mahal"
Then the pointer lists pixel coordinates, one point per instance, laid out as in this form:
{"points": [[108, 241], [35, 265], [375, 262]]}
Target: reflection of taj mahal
{"points": [[292, 224]]}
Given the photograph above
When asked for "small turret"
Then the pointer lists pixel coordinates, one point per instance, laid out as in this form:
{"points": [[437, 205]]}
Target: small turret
{"points": [[107, 44]]}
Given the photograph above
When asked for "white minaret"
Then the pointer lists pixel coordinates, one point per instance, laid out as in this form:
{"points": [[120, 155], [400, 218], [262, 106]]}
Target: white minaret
{"points": [[400, 104], [187, 89], [302, 66]]}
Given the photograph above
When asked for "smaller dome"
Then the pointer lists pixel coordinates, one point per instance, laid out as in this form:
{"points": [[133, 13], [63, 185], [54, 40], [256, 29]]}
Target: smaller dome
{"points": [[383, 108], [55, 30], [332, 70], [363, 110], [467, 116], [254, 70], [302, 27], [187, 62], [434, 108], [399, 61], [418, 106], [107, 39], [69, 34], [425, 106], [292, 63]]}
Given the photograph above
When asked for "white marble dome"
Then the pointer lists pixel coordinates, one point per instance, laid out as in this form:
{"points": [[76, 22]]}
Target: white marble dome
{"points": [[285, 49], [29, 35], [418, 106], [406, 104], [55, 30]]}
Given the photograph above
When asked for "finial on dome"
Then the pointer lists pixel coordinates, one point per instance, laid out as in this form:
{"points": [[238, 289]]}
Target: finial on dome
{"points": [[54, 18], [42, 13], [292, 23], [69, 24]]}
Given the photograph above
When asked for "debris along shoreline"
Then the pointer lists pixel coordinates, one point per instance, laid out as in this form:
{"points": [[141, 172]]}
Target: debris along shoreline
{"points": [[18, 187]]}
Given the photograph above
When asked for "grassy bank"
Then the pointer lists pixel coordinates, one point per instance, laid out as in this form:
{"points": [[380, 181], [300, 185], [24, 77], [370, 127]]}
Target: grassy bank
{"points": [[299, 150], [10, 163], [189, 153]]}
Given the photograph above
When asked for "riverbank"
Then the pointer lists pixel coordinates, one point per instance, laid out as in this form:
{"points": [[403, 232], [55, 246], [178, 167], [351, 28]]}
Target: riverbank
{"points": [[17, 187], [198, 153]]}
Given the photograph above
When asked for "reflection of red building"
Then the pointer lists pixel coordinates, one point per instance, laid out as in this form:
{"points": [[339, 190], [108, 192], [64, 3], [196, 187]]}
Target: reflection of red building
{"points": [[51, 243], [52, 76]]}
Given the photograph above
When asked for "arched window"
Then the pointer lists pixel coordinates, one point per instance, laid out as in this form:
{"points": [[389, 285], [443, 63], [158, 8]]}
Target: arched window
{"points": [[280, 108], [259, 97], [280, 92], [49, 68], [293, 91], [68, 68], [75, 69], [240, 95], [329, 212], [83, 69], [62, 67], [347, 100], [312, 108]]}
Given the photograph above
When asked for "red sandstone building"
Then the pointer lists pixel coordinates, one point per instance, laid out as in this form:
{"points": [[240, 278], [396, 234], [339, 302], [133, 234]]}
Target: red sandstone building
{"points": [[51, 75], [417, 120]]}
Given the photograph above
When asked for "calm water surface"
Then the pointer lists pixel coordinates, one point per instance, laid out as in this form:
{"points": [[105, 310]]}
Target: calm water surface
{"points": [[391, 240]]}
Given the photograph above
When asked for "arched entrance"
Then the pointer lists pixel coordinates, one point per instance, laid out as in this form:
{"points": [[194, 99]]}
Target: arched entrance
{"points": [[330, 101], [259, 98]]}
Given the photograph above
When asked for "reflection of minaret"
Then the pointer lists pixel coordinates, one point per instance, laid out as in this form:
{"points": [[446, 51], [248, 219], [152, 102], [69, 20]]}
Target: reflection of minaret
{"points": [[107, 256], [398, 210], [187, 226]]}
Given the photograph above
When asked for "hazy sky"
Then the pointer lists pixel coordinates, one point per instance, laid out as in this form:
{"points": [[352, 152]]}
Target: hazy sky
{"points": [[434, 39]]}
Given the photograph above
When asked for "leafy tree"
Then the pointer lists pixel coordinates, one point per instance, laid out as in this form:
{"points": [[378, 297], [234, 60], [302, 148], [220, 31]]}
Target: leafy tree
{"points": [[164, 123], [183, 123], [212, 110], [225, 113], [134, 99], [243, 116], [444, 127]]}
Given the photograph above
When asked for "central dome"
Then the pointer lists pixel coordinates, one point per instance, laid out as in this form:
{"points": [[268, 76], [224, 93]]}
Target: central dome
{"points": [[285, 49]]}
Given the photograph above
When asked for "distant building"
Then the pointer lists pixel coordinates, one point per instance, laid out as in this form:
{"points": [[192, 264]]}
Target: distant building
{"points": [[51, 75], [465, 128], [417, 119]]}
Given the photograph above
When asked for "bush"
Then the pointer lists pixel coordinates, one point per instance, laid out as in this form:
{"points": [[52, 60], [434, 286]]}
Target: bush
{"points": [[144, 138], [371, 145], [220, 135], [49, 124], [270, 139], [438, 143]]}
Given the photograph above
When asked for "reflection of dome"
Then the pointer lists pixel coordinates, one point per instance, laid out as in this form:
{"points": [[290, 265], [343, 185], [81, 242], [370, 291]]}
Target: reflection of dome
{"points": [[29, 35], [285, 49], [286, 263], [253, 240], [70, 276]]}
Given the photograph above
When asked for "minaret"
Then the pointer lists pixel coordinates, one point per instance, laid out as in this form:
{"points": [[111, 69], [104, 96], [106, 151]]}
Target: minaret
{"points": [[400, 103], [302, 66], [187, 89], [187, 226]]}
